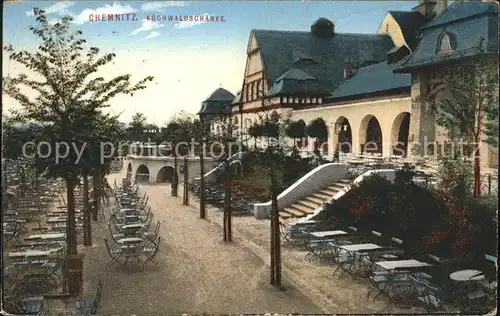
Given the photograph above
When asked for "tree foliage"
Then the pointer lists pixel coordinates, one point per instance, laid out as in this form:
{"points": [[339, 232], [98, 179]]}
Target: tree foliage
{"points": [[469, 99], [68, 94], [317, 129], [296, 129]]}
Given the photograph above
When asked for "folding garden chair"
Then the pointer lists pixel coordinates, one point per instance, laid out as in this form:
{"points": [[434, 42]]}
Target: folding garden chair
{"points": [[426, 294], [345, 262], [114, 253], [89, 306], [150, 250], [152, 235]]}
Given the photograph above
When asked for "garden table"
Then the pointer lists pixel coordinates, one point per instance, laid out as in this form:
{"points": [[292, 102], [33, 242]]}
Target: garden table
{"points": [[54, 236], [131, 240], [467, 287], [327, 234], [309, 222], [28, 254], [402, 264], [467, 275], [360, 247], [133, 226], [56, 220]]}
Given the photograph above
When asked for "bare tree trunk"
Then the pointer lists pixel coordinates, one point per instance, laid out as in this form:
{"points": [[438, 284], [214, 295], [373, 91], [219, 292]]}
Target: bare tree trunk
{"points": [[477, 171], [96, 189], [202, 184], [186, 180], [175, 180], [87, 224], [276, 240], [227, 203], [71, 222], [273, 243]]}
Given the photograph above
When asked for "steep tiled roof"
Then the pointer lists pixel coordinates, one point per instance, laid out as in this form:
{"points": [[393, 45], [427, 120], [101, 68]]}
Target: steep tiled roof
{"points": [[296, 82], [468, 22], [410, 22], [237, 98], [218, 103], [463, 10], [371, 79], [320, 56]]}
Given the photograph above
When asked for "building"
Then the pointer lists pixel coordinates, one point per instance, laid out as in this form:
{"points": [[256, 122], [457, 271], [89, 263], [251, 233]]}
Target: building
{"points": [[215, 107], [366, 87]]}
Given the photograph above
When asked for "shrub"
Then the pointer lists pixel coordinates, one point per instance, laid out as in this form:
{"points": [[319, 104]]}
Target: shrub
{"points": [[429, 221]]}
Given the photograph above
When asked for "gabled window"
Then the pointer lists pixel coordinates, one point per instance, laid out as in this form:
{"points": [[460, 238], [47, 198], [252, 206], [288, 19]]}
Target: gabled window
{"points": [[445, 43]]}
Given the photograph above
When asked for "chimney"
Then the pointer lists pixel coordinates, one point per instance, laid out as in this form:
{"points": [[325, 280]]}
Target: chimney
{"points": [[431, 8], [349, 69]]}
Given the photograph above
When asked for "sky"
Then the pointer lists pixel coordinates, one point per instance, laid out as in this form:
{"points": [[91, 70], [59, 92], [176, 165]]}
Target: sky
{"points": [[189, 60]]}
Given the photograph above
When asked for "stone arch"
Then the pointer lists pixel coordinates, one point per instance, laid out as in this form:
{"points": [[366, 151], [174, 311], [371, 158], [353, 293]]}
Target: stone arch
{"points": [[370, 135], [165, 174], [344, 136], [399, 134], [142, 173]]}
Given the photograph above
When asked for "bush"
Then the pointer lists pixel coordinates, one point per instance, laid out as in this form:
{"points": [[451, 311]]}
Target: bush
{"points": [[427, 220]]}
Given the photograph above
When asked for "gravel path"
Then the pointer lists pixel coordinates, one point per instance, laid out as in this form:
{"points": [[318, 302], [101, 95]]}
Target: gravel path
{"points": [[198, 273]]}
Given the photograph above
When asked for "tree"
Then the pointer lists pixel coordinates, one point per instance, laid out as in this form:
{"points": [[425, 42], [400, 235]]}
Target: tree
{"points": [[65, 99], [470, 104], [273, 158], [296, 129], [317, 129], [135, 129], [256, 131]]}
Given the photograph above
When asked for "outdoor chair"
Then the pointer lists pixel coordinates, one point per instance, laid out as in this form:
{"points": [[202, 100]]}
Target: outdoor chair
{"points": [[114, 235], [15, 306], [152, 235], [397, 243], [89, 306], [113, 252], [426, 294], [379, 281], [345, 263], [12, 236], [150, 250]]}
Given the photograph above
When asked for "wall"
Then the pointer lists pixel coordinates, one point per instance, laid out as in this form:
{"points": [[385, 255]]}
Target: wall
{"points": [[154, 164], [389, 174], [310, 183], [390, 27], [358, 113]]}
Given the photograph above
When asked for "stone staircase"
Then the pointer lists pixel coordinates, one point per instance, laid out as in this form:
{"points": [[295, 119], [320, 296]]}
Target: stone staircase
{"points": [[311, 203]]}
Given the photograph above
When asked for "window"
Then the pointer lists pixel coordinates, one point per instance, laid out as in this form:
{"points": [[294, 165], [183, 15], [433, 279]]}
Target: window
{"points": [[247, 93], [313, 100], [445, 43], [261, 88], [250, 93]]}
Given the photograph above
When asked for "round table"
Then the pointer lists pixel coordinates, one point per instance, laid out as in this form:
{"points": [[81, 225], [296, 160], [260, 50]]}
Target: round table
{"points": [[467, 275]]}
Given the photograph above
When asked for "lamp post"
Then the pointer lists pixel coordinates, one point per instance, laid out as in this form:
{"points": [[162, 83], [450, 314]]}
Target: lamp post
{"points": [[202, 169]]}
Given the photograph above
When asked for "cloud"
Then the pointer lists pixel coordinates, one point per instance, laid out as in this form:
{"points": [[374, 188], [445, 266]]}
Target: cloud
{"points": [[60, 8], [158, 6], [152, 35], [147, 25], [116, 8], [188, 24]]}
